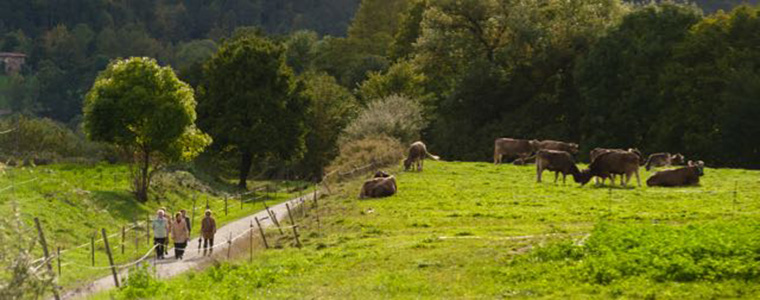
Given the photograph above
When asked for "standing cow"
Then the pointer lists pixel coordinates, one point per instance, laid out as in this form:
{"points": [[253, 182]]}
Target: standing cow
{"points": [[611, 163], [513, 148], [557, 161], [678, 177], [664, 160], [417, 154]]}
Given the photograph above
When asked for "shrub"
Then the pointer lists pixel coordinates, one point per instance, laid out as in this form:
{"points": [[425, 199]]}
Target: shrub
{"points": [[396, 116], [380, 150], [44, 140], [141, 284]]}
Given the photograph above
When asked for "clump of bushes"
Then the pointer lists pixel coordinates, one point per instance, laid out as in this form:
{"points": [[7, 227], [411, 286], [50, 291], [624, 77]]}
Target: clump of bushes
{"points": [[714, 251], [379, 150], [395, 116]]}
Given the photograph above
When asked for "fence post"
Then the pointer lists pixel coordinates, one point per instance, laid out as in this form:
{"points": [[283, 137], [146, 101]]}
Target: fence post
{"points": [[47, 255], [207, 207], [250, 241], [261, 230], [110, 258], [123, 237], [229, 245], [147, 229], [241, 201], [295, 233], [92, 247], [292, 222], [58, 256]]}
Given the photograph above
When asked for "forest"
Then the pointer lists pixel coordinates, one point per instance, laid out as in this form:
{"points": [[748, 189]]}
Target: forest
{"points": [[656, 76]]}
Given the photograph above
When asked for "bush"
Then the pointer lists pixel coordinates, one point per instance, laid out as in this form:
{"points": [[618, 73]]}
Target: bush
{"points": [[396, 116], [43, 140], [141, 284], [380, 150]]}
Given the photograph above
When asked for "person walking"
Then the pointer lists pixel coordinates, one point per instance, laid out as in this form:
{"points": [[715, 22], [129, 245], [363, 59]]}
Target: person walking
{"points": [[208, 230], [160, 232], [187, 221], [180, 235]]}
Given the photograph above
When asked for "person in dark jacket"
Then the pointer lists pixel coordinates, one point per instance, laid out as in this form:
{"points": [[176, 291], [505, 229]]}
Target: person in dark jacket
{"points": [[208, 230]]}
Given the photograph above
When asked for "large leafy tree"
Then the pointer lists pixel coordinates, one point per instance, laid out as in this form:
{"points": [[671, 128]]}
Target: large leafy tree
{"points": [[145, 110], [250, 102]]}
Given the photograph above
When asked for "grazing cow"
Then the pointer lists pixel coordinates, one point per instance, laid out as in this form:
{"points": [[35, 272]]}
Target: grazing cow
{"points": [[663, 160], [678, 177], [599, 151], [571, 148], [378, 187], [557, 161], [513, 148], [524, 161], [613, 162], [417, 153]]}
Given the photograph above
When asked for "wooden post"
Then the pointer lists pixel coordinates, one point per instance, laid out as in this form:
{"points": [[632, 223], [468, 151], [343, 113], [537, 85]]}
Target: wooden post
{"points": [[47, 255], [276, 222], [241, 201], [110, 258], [315, 196], [295, 233], [147, 229], [261, 231], [225, 205], [292, 222], [92, 247], [58, 257], [229, 245], [250, 241], [303, 208], [123, 237]]}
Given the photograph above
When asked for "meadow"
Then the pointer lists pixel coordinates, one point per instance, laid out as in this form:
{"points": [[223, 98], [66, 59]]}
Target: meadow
{"points": [[73, 202], [475, 230]]}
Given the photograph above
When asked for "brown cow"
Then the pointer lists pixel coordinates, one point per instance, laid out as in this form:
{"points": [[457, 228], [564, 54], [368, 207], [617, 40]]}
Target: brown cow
{"points": [[613, 162], [557, 161], [664, 160], [571, 148], [378, 187], [513, 148], [678, 177], [417, 153], [599, 151]]}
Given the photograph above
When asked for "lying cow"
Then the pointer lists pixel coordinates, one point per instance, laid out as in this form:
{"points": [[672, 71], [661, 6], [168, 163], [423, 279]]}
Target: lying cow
{"points": [[557, 161], [613, 163], [571, 148], [382, 185], [417, 154], [513, 148], [678, 177], [664, 160]]}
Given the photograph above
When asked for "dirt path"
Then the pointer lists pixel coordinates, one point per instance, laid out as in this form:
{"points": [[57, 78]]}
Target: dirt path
{"points": [[170, 267]]}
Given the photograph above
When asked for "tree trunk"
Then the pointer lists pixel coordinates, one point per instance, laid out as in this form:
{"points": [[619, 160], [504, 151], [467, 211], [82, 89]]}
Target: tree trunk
{"points": [[245, 168], [144, 182]]}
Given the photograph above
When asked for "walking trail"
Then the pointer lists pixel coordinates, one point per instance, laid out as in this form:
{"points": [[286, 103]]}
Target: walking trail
{"points": [[170, 267]]}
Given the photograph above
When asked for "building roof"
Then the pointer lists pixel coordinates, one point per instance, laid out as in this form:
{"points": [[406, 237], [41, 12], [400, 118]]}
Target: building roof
{"points": [[12, 54]]}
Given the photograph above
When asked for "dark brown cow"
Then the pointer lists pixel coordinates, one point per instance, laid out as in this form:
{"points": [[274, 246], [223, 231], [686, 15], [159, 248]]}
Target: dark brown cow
{"points": [[382, 185], [557, 161], [513, 148], [599, 151], [613, 162], [678, 177], [664, 160], [417, 154], [571, 148]]}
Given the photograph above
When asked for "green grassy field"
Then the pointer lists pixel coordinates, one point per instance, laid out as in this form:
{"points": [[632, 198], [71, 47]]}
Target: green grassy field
{"points": [[474, 230], [74, 201]]}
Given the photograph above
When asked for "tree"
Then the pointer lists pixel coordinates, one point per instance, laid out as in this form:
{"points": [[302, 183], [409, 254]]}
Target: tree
{"points": [[331, 108], [249, 102], [145, 110]]}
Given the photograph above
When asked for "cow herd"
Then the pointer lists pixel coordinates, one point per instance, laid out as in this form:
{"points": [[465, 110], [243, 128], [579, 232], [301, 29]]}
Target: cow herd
{"points": [[558, 157]]}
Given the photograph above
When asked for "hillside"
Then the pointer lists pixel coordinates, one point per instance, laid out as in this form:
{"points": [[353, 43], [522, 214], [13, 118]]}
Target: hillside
{"points": [[474, 230], [75, 201]]}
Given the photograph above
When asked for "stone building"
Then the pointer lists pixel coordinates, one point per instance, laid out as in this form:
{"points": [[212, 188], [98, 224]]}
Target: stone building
{"points": [[12, 62]]}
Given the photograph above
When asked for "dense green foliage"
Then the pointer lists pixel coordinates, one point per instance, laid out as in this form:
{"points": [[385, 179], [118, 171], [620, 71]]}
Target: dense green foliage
{"points": [[474, 230], [148, 113], [250, 104]]}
